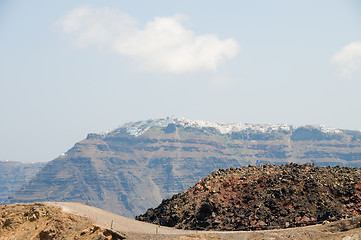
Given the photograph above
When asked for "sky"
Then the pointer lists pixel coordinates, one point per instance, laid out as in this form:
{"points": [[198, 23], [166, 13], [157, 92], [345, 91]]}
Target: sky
{"points": [[68, 68]]}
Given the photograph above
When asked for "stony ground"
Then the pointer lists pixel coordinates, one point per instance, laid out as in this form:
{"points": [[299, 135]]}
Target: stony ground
{"points": [[39, 221], [78, 221], [263, 197]]}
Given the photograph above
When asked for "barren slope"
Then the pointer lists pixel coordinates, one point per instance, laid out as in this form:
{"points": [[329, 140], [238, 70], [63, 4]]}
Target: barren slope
{"points": [[44, 222], [263, 197]]}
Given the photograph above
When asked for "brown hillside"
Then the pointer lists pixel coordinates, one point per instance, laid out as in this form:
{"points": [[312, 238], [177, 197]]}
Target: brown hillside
{"points": [[39, 221], [263, 197]]}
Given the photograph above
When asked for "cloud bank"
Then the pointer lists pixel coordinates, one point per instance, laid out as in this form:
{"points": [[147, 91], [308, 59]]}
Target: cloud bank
{"points": [[348, 59], [163, 44]]}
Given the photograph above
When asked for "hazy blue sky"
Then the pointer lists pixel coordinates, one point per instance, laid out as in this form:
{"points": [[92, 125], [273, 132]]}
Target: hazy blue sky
{"points": [[68, 68]]}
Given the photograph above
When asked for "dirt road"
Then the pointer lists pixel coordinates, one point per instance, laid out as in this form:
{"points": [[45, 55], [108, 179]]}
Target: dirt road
{"points": [[110, 220], [344, 230]]}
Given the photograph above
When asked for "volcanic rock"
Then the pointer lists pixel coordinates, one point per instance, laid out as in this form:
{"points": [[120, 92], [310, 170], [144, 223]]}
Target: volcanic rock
{"points": [[263, 197]]}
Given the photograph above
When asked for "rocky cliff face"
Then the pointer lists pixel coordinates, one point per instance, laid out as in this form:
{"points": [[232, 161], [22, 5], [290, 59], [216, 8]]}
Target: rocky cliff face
{"points": [[263, 197], [15, 174], [134, 167]]}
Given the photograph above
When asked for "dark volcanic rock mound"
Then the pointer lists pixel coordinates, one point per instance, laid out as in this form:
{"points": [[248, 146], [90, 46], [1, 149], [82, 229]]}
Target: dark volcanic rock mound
{"points": [[263, 197]]}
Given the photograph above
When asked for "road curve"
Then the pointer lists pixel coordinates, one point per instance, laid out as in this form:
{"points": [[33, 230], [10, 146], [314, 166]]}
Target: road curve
{"points": [[119, 223], [344, 229]]}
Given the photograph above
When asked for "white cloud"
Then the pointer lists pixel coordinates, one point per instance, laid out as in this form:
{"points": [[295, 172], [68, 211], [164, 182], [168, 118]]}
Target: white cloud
{"points": [[348, 59], [161, 45]]}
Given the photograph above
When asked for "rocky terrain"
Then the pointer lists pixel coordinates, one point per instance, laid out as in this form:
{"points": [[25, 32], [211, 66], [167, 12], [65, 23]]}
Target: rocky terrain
{"points": [[66, 220], [132, 168], [15, 174], [263, 197], [39, 221]]}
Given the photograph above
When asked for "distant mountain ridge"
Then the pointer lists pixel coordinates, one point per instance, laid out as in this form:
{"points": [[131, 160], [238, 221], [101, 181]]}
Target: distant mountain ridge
{"points": [[140, 127], [14, 174], [132, 168]]}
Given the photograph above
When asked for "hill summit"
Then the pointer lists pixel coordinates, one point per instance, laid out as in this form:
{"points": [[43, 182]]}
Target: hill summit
{"points": [[263, 197], [140, 127]]}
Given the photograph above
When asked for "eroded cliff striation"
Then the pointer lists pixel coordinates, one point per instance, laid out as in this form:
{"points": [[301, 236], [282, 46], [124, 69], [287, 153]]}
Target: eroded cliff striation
{"points": [[14, 174]]}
